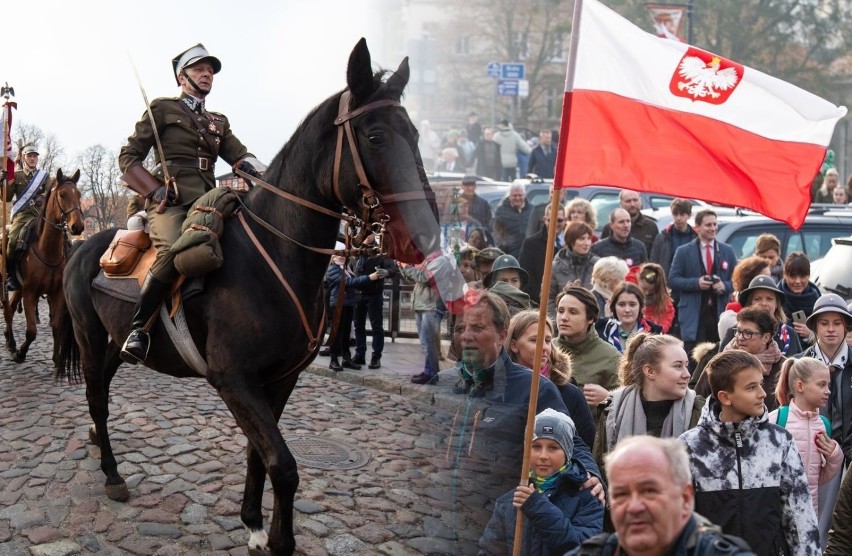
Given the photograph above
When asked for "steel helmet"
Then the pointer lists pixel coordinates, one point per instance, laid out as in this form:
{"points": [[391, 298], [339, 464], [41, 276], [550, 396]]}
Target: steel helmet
{"points": [[505, 262]]}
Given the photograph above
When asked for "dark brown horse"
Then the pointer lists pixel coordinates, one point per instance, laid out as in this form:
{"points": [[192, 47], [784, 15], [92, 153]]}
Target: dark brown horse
{"points": [[255, 333], [42, 265]]}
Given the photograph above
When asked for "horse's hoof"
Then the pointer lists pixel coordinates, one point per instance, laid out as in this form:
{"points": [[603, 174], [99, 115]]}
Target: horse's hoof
{"points": [[93, 435], [118, 492], [258, 543], [19, 358]]}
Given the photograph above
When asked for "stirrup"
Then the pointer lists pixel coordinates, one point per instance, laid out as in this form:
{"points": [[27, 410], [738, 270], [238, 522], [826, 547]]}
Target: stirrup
{"points": [[136, 346]]}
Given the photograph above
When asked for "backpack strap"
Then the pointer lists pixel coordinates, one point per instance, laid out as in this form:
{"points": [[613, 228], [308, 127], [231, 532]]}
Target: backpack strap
{"points": [[782, 415], [827, 423]]}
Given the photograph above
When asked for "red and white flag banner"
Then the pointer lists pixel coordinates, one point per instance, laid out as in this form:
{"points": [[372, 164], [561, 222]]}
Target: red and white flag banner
{"points": [[668, 20], [657, 115], [6, 136]]}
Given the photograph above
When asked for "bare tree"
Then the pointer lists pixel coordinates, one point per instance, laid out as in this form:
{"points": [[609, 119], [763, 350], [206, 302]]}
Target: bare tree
{"points": [[51, 152], [100, 183]]}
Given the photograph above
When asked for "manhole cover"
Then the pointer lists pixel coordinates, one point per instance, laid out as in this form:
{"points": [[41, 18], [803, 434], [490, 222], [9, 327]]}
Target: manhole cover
{"points": [[319, 453]]}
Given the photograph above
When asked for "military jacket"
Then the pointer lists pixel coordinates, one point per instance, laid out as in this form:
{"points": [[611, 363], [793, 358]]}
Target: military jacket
{"points": [[190, 150], [19, 185]]}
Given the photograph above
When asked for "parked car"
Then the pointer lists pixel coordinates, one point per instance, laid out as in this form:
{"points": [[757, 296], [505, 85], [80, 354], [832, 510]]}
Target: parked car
{"points": [[831, 273]]}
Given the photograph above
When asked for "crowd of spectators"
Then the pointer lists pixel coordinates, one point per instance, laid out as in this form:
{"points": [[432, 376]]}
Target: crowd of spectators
{"points": [[687, 342]]}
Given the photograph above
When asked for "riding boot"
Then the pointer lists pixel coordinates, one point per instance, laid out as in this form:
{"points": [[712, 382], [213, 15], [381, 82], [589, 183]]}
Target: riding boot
{"points": [[135, 348], [12, 282]]}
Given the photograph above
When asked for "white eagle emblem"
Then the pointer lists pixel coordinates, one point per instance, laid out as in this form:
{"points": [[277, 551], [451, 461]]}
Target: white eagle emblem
{"points": [[705, 79]]}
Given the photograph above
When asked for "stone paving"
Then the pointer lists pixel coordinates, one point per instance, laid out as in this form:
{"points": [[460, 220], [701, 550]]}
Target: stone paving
{"points": [[183, 459]]}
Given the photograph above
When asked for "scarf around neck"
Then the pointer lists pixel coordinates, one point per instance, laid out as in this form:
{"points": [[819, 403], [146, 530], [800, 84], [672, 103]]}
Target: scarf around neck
{"points": [[543, 484], [626, 417]]}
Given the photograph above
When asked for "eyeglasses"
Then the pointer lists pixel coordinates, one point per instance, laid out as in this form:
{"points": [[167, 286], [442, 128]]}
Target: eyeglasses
{"points": [[744, 334]]}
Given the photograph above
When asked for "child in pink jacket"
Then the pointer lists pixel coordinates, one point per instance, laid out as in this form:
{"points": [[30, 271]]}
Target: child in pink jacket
{"points": [[803, 387]]}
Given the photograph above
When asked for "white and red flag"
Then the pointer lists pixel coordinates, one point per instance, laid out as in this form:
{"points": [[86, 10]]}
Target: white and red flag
{"points": [[650, 114], [6, 136]]}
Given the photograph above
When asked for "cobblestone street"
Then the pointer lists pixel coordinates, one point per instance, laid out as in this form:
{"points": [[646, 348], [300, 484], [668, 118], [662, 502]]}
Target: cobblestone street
{"points": [[183, 459]]}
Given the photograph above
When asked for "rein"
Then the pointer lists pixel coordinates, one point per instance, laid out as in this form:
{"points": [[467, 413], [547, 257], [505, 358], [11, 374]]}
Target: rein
{"points": [[372, 219]]}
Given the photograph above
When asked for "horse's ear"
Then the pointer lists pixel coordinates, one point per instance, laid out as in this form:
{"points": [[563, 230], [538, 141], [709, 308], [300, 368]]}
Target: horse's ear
{"points": [[399, 79], [359, 74], [59, 177], [76, 176]]}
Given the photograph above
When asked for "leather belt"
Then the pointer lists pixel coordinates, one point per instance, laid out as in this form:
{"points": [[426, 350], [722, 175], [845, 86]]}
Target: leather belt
{"points": [[199, 163]]}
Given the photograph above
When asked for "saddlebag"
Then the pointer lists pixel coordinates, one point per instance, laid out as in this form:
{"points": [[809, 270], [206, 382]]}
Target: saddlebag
{"points": [[124, 252]]}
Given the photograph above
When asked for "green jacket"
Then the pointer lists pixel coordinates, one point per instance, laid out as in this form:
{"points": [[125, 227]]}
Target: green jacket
{"points": [[593, 360], [183, 145], [17, 187]]}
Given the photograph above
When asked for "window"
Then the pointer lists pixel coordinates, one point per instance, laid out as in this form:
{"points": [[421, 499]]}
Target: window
{"points": [[553, 102], [520, 45], [558, 52], [463, 45], [604, 203], [816, 243]]}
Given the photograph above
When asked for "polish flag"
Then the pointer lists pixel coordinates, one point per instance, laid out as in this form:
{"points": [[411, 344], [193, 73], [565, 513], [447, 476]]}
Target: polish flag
{"points": [[650, 114], [6, 137]]}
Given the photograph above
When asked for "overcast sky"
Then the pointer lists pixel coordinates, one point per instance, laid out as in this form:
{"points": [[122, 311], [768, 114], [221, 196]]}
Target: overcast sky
{"points": [[68, 62]]}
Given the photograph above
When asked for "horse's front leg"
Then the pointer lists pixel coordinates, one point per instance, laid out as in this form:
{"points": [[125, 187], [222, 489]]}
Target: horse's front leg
{"points": [[30, 300], [257, 409], [9, 305]]}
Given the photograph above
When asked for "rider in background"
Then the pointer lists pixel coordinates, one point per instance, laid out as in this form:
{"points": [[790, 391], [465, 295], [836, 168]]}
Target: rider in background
{"points": [[192, 139], [28, 189]]}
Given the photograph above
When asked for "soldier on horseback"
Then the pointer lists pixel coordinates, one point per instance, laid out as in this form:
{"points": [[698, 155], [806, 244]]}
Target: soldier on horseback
{"points": [[189, 142], [28, 189]]}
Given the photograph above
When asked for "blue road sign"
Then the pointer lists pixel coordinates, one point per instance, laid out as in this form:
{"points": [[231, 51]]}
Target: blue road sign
{"points": [[507, 87], [512, 71], [493, 69]]}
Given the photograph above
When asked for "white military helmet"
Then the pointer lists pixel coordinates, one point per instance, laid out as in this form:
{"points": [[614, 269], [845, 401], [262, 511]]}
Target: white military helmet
{"points": [[192, 56], [29, 149]]}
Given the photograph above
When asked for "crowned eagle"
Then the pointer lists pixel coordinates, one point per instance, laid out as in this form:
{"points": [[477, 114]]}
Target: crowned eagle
{"points": [[704, 78]]}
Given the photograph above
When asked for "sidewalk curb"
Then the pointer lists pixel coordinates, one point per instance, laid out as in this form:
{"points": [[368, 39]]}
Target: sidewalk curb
{"points": [[440, 395]]}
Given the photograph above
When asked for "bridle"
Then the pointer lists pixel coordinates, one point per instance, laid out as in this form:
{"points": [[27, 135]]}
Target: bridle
{"points": [[60, 225], [371, 219]]}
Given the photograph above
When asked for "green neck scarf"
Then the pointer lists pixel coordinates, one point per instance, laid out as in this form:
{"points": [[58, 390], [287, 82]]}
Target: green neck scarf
{"points": [[546, 483]]}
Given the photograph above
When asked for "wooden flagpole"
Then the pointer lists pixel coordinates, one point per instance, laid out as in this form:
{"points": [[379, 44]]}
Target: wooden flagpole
{"points": [[545, 279], [555, 210]]}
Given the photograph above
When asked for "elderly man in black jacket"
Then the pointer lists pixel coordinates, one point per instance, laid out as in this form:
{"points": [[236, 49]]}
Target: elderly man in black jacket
{"points": [[510, 220]]}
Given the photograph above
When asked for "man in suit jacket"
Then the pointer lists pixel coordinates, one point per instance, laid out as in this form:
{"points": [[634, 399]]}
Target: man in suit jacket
{"points": [[701, 276]]}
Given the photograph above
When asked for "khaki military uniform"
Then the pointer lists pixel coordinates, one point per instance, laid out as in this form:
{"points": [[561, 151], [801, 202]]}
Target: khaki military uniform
{"points": [[24, 217], [191, 151]]}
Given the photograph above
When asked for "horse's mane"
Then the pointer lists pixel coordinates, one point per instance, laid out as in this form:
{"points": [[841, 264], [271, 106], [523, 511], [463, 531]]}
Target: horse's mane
{"points": [[42, 213], [312, 130]]}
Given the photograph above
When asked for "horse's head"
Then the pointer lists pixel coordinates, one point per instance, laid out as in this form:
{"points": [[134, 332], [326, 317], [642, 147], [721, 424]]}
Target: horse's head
{"points": [[62, 206], [384, 159]]}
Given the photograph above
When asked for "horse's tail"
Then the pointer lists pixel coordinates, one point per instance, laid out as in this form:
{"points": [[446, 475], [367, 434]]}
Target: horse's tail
{"points": [[68, 366]]}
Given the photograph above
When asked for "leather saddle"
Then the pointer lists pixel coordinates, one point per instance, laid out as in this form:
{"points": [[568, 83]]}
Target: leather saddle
{"points": [[127, 261]]}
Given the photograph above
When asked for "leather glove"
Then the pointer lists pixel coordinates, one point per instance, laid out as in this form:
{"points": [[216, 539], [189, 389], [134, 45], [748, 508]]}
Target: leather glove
{"points": [[162, 193], [246, 167], [382, 273]]}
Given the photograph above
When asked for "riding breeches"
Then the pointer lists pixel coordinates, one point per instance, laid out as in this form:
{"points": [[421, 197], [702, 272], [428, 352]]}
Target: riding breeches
{"points": [[165, 230], [17, 236]]}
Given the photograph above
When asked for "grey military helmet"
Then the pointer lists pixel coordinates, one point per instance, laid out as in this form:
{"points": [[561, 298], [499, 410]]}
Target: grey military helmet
{"points": [[505, 262], [192, 56]]}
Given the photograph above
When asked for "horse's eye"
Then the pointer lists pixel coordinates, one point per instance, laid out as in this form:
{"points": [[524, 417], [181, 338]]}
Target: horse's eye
{"points": [[376, 138]]}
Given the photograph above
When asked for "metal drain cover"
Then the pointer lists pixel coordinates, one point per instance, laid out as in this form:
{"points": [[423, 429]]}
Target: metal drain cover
{"points": [[320, 453]]}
